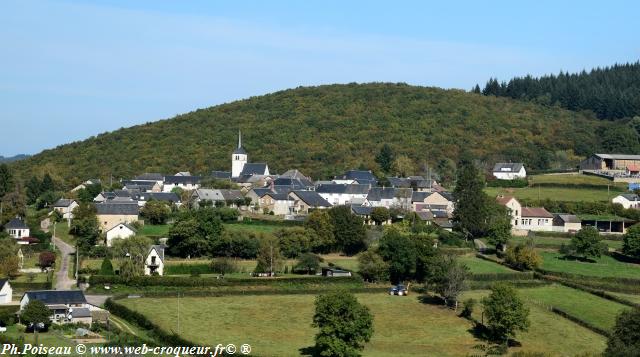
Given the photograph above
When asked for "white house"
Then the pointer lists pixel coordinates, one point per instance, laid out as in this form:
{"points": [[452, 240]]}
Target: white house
{"points": [[119, 231], [343, 194], [627, 200], [428, 200], [154, 262], [186, 183], [67, 306], [6, 292], [514, 207], [17, 228], [389, 197], [509, 170], [65, 207], [527, 218]]}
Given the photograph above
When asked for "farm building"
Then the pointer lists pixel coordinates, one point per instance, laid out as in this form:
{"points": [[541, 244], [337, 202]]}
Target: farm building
{"points": [[606, 162]]}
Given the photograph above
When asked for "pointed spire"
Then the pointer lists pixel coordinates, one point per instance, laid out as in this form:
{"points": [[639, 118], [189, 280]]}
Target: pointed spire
{"points": [[239, 139]]}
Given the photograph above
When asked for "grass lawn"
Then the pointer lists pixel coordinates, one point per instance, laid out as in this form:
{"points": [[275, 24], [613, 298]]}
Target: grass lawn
{"points": [[605, 266], [576, 179], [50, 339], [25, 278], [281, 325], [629, 297], [596, 310], [549, 332], [62, 232], [479, 266], [349, 263], [556, 242], [154, 230], [256, 226], [553, 193]]}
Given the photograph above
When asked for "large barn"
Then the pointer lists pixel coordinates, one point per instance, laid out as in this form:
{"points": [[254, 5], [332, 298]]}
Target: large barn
{"points": [[610, 162]]}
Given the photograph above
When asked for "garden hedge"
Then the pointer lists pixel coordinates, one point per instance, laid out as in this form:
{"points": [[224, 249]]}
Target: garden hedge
{"points": [[187, 281]]}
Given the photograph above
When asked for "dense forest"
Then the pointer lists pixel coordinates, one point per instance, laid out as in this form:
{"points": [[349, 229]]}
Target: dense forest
{"points": [[610, 92], [326, 129]]}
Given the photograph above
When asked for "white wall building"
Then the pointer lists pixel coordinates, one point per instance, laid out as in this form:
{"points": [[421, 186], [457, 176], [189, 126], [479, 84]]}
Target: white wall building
{"points": [[17, 228], [154, 262], [6, 292], [119, 231], [627, 200], [238, 158], [509, 170]]}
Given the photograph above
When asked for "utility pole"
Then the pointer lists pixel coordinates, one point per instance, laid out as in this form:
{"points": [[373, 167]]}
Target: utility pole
{"points": [[271, 259]]}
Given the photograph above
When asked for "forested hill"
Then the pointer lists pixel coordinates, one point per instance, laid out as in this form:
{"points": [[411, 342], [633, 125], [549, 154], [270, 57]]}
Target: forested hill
{"points": [[324, 130], [610, 92]]}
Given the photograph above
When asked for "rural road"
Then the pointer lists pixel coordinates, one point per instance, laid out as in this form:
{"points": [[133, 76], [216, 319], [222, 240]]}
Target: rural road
{"points": [[480, 245], [63, 282]]}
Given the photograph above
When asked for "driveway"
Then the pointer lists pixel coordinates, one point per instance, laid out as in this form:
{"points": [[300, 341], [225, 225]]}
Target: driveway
{"points": [[63, 282], [480, 245]]}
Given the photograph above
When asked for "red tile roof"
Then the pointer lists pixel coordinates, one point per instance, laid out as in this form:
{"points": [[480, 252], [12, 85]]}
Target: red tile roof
{"points": [[503, 200], [536, 212]]}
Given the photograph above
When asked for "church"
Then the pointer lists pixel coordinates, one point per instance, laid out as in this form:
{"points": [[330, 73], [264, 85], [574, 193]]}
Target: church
{"points": [[240, 167]]}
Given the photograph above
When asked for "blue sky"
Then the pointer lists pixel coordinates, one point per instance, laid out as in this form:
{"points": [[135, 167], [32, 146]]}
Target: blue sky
{"points": [[72, 69]]}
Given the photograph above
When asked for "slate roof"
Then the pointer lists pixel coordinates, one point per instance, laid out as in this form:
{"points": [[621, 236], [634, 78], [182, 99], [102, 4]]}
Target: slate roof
{"points": [[221, 174], [209, 194], [361, 210], [171, 197], [122, 193], [153, 176], [16, 223], [295, 184], [117, 208], [381, 193], [631, 196], [278, 196], [447, 195], [254, 169], [419, 196], [507, 167], [261, 191], [2, 282], [63, 202], [57, 297], [358, 175], [535, 212], [182, 180], [425, 215], [230, 195], [239, 151], [568, 218], [295, 174], [80, 312], [618, 156], [124, 224], [353, 189], [312, 198], [159, 248]]}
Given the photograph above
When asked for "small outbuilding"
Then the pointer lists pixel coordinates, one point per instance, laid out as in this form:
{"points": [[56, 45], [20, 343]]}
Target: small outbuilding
{"points": [[119, 231]]}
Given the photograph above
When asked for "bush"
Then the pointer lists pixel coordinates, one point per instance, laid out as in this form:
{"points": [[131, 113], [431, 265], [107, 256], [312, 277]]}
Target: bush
{"points": [[187, 269], [223, 266], [523, 257], [106, 268], [467, 310], [515, 183]]}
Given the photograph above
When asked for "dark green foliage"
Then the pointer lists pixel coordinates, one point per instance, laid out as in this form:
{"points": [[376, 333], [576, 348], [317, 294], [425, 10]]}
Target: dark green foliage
{"points": [[446, 169], [498, 224], [448, 277], [470, 213], [467, 310], [223, 266], [625, 337], [610, 92], [416, 121], [294, 241], [236, 244], [106, 268], [385, 158], [195, 233], [520, 182], [505, 312], [380, 215], [631, 245], [270, 259], [156, 212], [348, 230], [409, 256], [6, 180], [345, 325], [85, 226], [587, 244], [88, 193], [35, 312], [308, 263], [372, 267], [320, 223]]}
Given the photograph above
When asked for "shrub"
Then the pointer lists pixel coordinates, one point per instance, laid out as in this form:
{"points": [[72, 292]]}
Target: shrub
{"points": [[467, 310], [106, 268], [223, 266], [523, 257]]}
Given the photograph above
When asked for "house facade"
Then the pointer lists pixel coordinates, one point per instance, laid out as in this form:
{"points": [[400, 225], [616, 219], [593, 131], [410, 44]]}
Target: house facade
{"points": [[186, 183], [524, 219], [17, 229], [628, 200], [509, 170], [343, 194], [154, 261], [6, 292], [566, 223], [65, 207], [119, 231], [67, 306], [306, 201], [111, 214]]}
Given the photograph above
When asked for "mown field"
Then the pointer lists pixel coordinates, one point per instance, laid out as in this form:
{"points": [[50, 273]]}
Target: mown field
{"points": [[576, 179], [280, 325], [479, 266], [548, 332], [553, 193], [557, 242], [604, 266]]}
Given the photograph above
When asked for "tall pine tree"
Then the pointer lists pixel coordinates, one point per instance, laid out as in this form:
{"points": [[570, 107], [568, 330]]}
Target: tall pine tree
{"points": [[470, 214], [385, 158]]}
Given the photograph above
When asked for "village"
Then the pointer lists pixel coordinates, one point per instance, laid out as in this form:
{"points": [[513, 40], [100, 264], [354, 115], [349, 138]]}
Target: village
{"points": [[278, 203]]}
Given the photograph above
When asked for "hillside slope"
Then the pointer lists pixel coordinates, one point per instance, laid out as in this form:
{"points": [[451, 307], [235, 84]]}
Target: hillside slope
{"points": [[323, 130]]}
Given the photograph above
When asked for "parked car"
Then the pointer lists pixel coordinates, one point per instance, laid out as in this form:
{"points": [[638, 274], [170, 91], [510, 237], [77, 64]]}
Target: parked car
{"points": [[399, 290]]}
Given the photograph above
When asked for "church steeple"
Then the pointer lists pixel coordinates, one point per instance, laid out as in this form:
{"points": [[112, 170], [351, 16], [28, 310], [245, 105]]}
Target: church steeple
{"points": [[238, 158], [239, 139]]}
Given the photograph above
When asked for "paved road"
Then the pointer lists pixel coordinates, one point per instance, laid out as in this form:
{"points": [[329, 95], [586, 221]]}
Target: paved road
{"points": [[97, 300], [480, 245], [63, 282]]}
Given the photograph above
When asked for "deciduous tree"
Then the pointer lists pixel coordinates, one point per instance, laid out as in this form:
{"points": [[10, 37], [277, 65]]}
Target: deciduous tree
{"points": [[505, 312]]}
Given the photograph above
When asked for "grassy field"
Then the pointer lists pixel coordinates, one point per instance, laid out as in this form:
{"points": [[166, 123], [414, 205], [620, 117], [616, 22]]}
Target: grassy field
{"points": [[596, 310], [160, 230], [605, 266], [349, 263], [576, 179], [629, 297], [281, 325], [62, 232], [49, 339], [553, 193], [549, 332], [256, 226], [479, 266], [556, 242]]}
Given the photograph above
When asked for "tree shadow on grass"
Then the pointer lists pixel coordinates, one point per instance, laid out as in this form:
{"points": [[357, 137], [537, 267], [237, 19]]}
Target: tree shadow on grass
{"points": [[431, 300], [576, 259], [309, 351]]}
